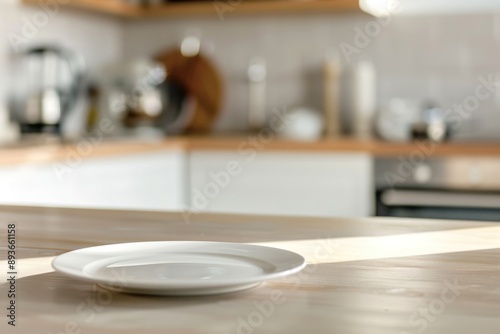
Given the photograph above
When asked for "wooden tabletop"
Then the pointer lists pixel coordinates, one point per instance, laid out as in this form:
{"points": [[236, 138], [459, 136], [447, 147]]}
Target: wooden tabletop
{"points": [[92, 148], [363, 276]]}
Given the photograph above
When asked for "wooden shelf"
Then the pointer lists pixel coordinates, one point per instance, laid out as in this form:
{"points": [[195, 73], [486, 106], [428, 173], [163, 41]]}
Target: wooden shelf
{"points": [[207, 8]]}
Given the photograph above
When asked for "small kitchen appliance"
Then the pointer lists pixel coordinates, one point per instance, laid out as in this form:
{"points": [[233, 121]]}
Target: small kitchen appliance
{"points": [[47, 90]]}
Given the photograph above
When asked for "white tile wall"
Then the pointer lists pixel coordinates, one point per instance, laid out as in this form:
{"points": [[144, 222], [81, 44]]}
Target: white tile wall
{"points": [[293, 47], [436, 57], [97, 37]]}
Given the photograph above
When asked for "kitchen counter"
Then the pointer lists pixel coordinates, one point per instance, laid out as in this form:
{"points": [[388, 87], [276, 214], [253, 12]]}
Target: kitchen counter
{"points": [[374, 275], [89, 148]]}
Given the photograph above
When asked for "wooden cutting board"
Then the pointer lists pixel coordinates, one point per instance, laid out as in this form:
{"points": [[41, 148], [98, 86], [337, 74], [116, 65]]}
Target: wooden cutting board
{"points": [[200, 78]]}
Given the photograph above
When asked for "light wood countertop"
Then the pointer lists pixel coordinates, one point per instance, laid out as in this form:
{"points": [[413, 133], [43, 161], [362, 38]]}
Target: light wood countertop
{"points": [[104, 148], [363, 276]]}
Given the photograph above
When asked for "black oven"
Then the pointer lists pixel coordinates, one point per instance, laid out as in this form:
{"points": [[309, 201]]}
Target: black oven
{"points": [[462, 188]]}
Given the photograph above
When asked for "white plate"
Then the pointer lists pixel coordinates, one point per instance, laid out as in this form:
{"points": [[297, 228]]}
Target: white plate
{"points": [[178, 267]]}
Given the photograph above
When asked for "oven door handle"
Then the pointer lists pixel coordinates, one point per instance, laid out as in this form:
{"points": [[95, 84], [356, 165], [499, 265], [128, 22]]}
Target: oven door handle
{"points": [[396, 197]]}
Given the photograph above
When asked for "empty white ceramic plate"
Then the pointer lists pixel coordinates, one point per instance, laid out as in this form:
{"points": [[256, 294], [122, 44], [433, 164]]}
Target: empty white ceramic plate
{"points": [[178, 267]]}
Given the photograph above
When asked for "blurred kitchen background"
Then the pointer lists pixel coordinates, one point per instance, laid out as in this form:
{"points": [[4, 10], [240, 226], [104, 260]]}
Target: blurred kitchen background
{"points": [[356, 79]]}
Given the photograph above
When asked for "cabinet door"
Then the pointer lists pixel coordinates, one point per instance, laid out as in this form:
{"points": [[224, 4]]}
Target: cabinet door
{"points": [[312, 184], [152, 181]]}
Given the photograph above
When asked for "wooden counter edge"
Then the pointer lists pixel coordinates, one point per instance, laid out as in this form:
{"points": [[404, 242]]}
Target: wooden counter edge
{"points": [[85, 149]]}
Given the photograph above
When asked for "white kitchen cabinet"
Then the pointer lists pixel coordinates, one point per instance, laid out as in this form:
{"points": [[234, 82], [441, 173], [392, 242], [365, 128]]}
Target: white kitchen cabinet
{"points": [[146, 181], [281, 183]]}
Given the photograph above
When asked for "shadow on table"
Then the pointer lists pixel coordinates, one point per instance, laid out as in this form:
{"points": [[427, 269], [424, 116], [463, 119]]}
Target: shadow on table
{"points": [[55, 288]]}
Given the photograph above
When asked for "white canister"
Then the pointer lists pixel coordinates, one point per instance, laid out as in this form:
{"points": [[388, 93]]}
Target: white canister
{"points": [[365, 99]]}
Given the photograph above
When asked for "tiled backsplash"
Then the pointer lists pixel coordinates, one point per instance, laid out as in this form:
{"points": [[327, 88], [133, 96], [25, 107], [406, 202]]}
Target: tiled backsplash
{"points": [[97, 37], [435, 57]]}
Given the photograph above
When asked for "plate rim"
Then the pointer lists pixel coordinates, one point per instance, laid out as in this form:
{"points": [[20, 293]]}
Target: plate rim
{"points": [[164, 285]]}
